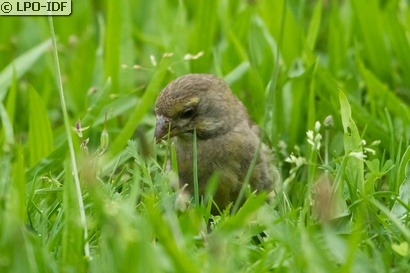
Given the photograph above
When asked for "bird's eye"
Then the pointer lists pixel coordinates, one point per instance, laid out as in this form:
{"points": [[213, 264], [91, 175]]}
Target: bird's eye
{"points": [[187, 113]]}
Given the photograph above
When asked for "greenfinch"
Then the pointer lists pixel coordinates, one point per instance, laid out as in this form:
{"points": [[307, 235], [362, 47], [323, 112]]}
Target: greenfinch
{"points": [[227, 138]]}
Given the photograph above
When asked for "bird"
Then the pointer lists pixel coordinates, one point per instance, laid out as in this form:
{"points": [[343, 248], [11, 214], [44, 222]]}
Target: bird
{"points": [[226, 138]]}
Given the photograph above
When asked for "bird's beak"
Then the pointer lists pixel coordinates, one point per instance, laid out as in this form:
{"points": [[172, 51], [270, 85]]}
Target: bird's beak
{"points": [[161, 128]]}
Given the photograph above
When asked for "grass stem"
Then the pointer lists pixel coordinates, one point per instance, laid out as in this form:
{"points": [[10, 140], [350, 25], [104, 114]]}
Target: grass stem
{"points": [[69, 140]]}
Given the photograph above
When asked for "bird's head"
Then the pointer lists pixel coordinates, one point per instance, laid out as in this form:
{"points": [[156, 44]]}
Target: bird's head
{"points": [[196, 101]]}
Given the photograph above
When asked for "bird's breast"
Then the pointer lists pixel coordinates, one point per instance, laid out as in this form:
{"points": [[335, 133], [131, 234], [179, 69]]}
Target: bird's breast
{"points": [[227, 157]]}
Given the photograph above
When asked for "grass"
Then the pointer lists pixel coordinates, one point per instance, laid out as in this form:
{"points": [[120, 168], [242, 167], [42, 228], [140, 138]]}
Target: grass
{"points": [[326, 80]]}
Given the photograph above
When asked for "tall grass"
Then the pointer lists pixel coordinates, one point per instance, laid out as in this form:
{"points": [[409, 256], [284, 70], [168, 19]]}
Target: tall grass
{"points": [[326, 80]]}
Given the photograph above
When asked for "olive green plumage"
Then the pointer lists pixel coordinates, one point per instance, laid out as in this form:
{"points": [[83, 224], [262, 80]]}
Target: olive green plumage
{"points": [[226, 136]]}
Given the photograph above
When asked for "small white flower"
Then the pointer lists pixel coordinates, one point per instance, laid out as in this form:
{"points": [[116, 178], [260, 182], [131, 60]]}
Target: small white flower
{"points": [[358, 155], [298, 161], [317, 126], [168, 54], [369, 150], [291, 159], [314, 140], [153, 60], [328, 122], [375, 143], [188, 56], [311, 143], [317, 147], [282, 144]]}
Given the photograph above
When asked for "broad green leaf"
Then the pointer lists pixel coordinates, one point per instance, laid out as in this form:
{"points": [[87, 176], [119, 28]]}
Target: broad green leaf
{"points": [[40, 134], [402, 249], [353, 149]]}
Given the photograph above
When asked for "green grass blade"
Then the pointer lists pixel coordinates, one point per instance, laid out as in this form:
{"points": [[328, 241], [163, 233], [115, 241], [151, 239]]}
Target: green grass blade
{"points": [[403, 165], [274, 99], [392, 217], [285, 60], [51, 163], [163, 232], [6, 130], [381, 96], [18, 187], [337, 40], [314, 25], [40, 133], [203, 36], [142, 107], [399, 41], [96, 108], [174, 162], [404, 194], [369, 23], [72, 237], [20, 66], [113, 43], [195, 168], [7, 115]]}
